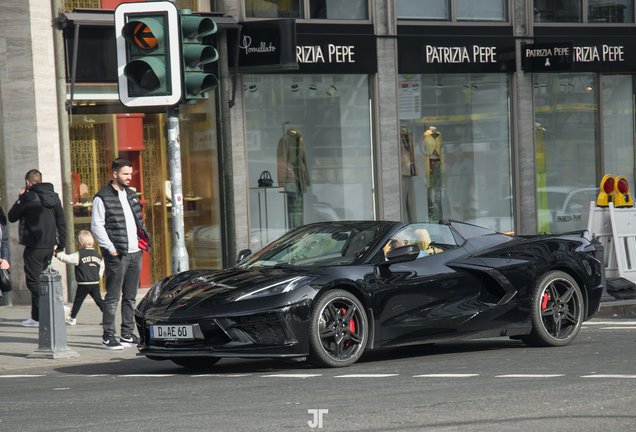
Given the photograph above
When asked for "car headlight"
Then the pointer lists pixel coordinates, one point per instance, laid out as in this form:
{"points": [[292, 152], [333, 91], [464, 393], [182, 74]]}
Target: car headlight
{"points": [[277, 288], [153, 294]]}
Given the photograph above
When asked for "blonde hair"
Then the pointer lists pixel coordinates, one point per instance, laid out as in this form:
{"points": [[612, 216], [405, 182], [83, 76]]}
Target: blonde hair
{"points": [[86, 238]]}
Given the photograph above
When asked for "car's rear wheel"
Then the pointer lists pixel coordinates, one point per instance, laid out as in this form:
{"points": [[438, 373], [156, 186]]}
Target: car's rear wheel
{"points": [[338, 330], [195, 362], [557, 310]]}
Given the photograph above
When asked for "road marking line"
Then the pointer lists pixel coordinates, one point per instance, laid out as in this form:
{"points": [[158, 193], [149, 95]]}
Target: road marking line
{"points": [[291, 376], [618, 328], [609, 376], [630, 323], [445, 376], [366, 376], [145, 375], [220, 375], [20, 376], [530, 376]]}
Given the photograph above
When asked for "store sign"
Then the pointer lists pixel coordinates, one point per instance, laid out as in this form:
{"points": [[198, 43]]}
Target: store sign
{"points": [[433, 54], [266, 46], [337, 53], [594, 50], [546, 57]]}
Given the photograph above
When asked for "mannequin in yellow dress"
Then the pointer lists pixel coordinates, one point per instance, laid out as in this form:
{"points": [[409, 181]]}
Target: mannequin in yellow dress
{"points": [[433, 151]]}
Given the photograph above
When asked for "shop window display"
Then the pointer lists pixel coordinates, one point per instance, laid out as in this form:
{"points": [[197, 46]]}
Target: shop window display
{"points": [[618, 126], [567, 129], [313, 134], [455, 149], [97, 138]]}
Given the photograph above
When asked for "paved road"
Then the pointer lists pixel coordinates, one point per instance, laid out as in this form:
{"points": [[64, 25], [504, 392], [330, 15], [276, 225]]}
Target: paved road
{"points": [[495, 384]]}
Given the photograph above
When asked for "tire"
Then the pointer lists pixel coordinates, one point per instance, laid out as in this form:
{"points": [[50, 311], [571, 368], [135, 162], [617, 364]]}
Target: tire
{"points": [[557, 311], [195, 362], [338, 330]]}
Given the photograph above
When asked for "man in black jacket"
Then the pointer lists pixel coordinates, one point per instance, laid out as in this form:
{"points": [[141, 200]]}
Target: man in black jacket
{"points": [[42, 230], [118, 226]]}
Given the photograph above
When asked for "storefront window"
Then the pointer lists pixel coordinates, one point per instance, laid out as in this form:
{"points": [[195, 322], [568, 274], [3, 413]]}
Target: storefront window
{"points": [[567, 149], [558, 11], [614, 11], [465, 10], [338, 9], [312, 135], [482, 10], [455, 149], [423, 9], [274, 8], [618, 126], [100, 133]]}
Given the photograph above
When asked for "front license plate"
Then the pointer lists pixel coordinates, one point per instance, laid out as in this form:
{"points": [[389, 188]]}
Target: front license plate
{"points": [[171, 332]]}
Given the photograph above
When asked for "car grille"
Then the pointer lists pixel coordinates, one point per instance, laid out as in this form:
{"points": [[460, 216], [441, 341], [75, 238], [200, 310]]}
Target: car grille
{"points": [[262, 329]]}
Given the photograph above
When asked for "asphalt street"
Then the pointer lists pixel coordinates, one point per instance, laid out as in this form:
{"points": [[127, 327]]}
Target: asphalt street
{"points": [[495, 384]]}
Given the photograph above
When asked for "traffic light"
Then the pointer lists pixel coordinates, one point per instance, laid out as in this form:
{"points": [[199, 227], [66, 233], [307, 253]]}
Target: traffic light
{"points": [[606, 195], [148, 58], [622, 197], [195, 55]]}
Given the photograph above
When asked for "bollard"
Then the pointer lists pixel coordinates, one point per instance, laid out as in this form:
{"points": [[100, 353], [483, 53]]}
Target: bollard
{"points": [[52, 337]]}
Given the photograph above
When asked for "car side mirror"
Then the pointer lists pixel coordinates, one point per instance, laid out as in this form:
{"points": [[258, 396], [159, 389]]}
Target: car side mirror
{"points": [[401, 254], [243, 254]]}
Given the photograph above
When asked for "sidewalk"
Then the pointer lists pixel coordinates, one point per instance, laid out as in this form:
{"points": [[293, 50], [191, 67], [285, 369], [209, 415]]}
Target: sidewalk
{"points": [[17, 342], [85, 338]]}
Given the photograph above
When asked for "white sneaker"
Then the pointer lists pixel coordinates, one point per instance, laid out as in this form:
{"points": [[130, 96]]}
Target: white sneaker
{"points": [[70, 321], [30, 323]]}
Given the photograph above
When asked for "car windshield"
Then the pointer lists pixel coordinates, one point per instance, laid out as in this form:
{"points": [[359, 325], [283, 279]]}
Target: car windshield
{"points": [[327, 244]]}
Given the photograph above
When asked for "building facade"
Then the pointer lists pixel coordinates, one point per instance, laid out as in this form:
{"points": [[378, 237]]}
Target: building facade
{"points": [[502, 113]]}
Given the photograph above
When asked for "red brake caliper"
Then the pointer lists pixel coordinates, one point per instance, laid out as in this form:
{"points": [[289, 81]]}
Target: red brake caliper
{"points": [[544, 301], [352, 326]]}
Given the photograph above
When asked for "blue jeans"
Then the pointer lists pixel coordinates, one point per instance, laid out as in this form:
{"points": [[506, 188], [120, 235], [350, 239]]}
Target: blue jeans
{"points": [[122, 279]]}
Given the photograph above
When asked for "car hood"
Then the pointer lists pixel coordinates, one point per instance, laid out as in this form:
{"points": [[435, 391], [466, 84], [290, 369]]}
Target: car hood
{"points": [[213, 288]]}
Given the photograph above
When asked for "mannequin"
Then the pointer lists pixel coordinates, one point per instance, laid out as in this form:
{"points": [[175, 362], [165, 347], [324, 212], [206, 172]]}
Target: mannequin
{"points": [[408, 168], [434, 154], [293, 174]]}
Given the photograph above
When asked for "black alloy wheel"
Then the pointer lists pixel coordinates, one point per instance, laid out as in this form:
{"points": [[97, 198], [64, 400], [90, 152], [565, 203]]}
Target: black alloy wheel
{"points": [[557, 310], [338, 330], [195, 362]]}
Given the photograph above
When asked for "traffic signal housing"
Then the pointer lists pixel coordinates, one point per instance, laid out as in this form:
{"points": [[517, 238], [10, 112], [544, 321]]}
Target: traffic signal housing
{"points": [[196, 54], [606, 195], [148, 58], [622, 198]]}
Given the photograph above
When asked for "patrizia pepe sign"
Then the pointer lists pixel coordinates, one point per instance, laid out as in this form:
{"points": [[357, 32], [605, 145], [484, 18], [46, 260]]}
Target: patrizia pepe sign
{"points": [[433, 54]]}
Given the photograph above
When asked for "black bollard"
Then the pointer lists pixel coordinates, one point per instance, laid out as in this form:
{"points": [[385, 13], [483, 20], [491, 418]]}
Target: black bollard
{"points": [[52, 340]]}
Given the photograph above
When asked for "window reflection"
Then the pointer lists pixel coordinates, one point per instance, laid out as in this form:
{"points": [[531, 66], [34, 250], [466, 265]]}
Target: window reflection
{"points": [[274, 8]]}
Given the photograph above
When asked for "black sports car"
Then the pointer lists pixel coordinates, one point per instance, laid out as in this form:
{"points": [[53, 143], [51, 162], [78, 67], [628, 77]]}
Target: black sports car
{"points": [[330, 291]]}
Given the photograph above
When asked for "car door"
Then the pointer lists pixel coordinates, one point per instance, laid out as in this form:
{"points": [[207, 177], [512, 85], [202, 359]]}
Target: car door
{"points": [[424, 298]]}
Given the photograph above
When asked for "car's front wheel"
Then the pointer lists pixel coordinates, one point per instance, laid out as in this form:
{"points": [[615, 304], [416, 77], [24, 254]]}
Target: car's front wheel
{"points": [[195, 362], [338, 330], [557, 310]]}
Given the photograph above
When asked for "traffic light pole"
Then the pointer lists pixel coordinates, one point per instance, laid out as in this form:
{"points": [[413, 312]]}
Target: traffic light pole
{"points": [[180, 261]]}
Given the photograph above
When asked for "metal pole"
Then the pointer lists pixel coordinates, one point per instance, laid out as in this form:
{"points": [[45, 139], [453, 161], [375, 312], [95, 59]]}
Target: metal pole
{"points": [[65, 145], [180, 260]]}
